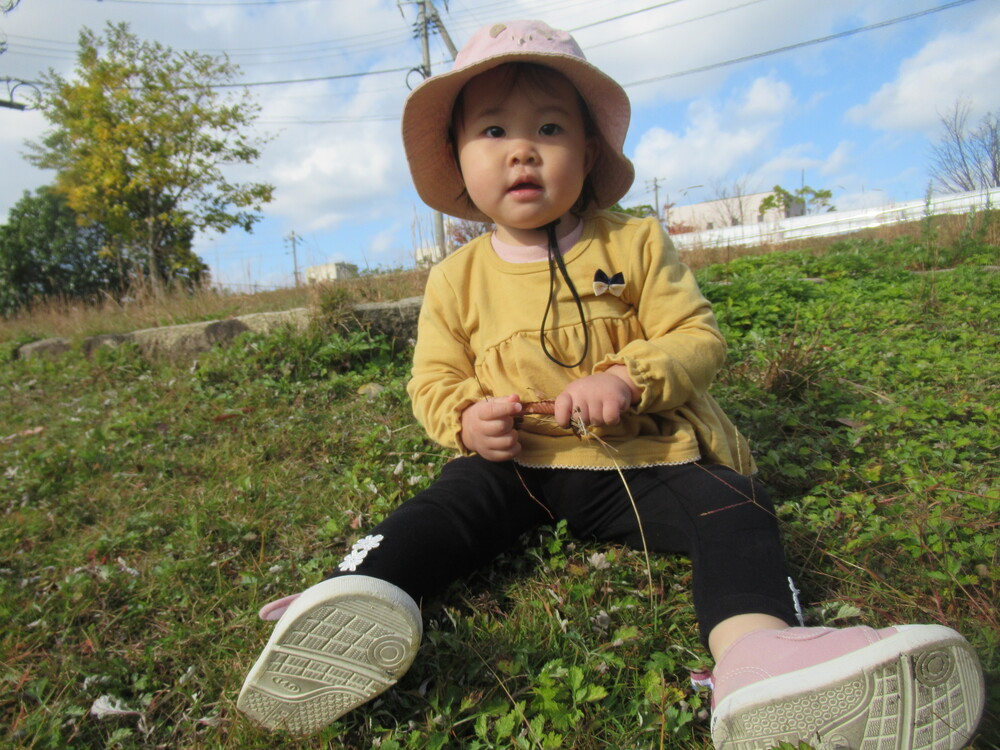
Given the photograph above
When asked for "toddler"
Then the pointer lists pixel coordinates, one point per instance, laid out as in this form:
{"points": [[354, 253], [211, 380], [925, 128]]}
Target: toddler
{"points": [[565, 323]]}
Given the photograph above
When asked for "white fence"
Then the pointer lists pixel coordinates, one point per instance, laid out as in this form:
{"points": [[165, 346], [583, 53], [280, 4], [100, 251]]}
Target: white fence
{"points": [[837, 222]]}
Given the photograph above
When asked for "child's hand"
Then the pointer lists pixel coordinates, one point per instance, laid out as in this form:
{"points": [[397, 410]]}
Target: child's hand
{"points": [[599, 398], [488, 428]]}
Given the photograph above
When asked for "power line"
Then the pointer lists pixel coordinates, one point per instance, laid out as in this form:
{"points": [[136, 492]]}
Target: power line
{"points": [[261, 56], [328, 120], [255, 84], [209, 2], [745, 58], [375, 40], [654, 79], [799, 45], [370, 42], [337, 77], [674, 25], [500, 10], [626, 15]]}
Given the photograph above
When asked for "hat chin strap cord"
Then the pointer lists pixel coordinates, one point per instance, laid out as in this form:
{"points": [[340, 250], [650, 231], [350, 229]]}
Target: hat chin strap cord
{"points": [[556, 260]]}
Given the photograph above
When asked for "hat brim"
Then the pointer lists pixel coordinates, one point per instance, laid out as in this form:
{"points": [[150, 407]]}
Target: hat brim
{"points": [[427, 120]]}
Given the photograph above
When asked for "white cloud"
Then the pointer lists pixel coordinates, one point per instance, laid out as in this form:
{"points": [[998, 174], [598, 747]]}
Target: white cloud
{"points": [[318, 183], [794, 159], [687, 36], [839, 159], [956, 65], [766, 98], [718, 140], [326, 173]]}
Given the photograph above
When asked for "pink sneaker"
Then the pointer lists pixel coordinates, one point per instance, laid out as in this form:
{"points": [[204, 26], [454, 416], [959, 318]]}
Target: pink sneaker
{"points": [[337, 645], [274, 610], [911, 686]]}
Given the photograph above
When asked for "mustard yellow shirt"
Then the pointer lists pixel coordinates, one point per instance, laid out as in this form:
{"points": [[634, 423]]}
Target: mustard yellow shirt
{"points": [[478, 337]]}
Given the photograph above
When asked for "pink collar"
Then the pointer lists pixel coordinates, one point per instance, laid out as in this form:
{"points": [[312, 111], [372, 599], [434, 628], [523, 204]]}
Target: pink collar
{"points": [[533, 253]]}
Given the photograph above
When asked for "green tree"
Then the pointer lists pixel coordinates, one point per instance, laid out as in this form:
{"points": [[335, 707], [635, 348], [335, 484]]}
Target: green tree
{"points": [[641, 211], [44, 252], [139, 140], [802, 201]]}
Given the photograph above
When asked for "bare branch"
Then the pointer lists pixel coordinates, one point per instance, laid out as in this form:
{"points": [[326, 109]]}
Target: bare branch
{"points": [[966, 159]]}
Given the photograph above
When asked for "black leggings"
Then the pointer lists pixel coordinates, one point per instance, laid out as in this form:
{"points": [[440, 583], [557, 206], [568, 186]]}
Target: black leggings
{"points": [[478, 509]]}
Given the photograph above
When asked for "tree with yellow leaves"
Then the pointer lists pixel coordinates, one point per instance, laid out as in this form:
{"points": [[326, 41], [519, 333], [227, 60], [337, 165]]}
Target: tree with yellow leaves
{"points": [[139, 140]]}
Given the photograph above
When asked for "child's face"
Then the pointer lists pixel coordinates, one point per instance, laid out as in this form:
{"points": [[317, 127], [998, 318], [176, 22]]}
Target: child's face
{"points": [[525, 155]]}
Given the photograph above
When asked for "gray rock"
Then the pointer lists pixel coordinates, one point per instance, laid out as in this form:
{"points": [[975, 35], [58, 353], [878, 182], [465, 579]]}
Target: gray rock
{"points": [[104, 341], [397, 320], [44, 348], [188, 340], [266, 322]]}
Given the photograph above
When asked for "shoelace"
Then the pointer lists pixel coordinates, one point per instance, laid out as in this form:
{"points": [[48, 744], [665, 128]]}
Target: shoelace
{"points": [[555, 260]]}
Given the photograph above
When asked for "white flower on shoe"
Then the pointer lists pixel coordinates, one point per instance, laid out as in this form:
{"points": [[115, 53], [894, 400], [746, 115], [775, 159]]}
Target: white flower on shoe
{"points": [[359, 551], [368, 543], [351, 562]]}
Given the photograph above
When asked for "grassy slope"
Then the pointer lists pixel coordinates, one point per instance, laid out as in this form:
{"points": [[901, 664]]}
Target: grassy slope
{"points": [[75, 320], [148, 509]]}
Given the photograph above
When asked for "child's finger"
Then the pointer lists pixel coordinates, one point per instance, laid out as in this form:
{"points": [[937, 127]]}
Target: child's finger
{"points": [[498, 426], [502, 448], [504, 406], [564, 409], [612, 411]]}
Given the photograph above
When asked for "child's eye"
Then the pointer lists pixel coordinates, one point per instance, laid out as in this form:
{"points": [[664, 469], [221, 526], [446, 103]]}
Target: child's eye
{"points": [[494, 131], [549, 129]]}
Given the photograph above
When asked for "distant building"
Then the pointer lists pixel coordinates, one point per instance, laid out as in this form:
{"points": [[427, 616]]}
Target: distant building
{"points": [[724, 212], [330, 272], [427, 255]]}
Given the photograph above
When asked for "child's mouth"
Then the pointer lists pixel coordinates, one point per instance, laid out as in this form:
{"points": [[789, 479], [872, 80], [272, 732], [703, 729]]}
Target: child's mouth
{"points": [[524, 188]]}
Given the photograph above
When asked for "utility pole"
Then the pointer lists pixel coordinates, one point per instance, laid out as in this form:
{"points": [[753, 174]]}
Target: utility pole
{"points": [[295, 258], [667, 204], [435, 21], [428, 20], [656, 198], [422, 21]]}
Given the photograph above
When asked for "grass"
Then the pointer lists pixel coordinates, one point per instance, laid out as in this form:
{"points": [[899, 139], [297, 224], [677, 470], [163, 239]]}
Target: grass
{"points": [[149, 508], [74, 320], [951, 231]]}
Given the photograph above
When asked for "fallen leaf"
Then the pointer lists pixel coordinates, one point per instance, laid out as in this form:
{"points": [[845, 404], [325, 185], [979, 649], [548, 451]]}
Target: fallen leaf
{"points": [[108, 705], [23, 433]]}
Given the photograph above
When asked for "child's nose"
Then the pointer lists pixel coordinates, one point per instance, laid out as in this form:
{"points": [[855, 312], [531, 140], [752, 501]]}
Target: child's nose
{"points": [[523, 152]]}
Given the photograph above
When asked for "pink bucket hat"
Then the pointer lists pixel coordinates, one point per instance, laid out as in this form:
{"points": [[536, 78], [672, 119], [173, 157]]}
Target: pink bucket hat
{"points": [[428, 112]]}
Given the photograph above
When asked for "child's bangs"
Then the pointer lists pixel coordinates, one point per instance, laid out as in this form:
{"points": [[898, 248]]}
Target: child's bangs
{"points": [[540, 78], [543, 79]]}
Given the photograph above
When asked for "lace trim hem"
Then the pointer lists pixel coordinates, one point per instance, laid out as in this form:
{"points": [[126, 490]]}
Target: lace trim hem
{"points": [[608, 468]]}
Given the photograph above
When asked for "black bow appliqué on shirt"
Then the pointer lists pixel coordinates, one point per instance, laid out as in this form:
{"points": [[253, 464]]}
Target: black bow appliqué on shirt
{"points": [[615, 284]]}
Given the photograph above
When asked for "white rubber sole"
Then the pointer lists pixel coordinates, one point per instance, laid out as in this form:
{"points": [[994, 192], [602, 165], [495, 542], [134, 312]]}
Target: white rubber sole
{"points": [[920, 689], [340, 644]]}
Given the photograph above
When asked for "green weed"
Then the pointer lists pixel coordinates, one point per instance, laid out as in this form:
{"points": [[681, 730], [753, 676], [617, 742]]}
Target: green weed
{"points": [[149, 509]]}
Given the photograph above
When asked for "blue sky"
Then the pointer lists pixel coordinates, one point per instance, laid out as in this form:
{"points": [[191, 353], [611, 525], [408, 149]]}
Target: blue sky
{"points": [[856, 114]]}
